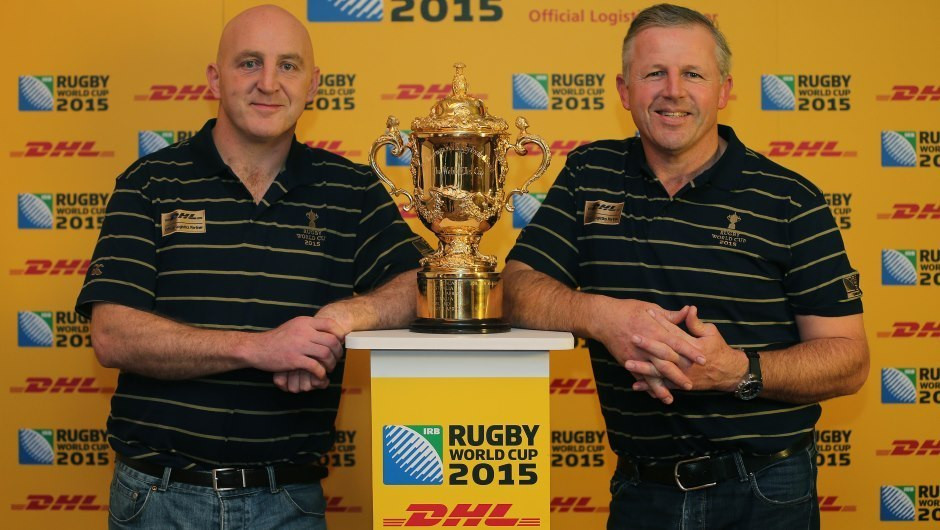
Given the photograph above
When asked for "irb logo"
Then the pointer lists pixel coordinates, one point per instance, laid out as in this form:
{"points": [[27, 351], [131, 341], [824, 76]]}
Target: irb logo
{"points": [[525, 206], [405, 158], [530, 91], [911, 93], [153, 141], [912, 329], [911, 448], [905, 210], [34, 211], [898, 149], [34, 329], [776, 92], [42, 502], [36, 447], [897, 503], [412, 455], [461, 515], [36, 93], [344, 11], [898, 267], [898, 385]]}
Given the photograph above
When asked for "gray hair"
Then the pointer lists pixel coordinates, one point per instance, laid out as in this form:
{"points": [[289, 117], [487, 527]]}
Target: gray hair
{"points": [[670, 16]]}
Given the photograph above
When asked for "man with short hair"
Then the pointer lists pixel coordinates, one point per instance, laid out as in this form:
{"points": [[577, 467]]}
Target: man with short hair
{"points": [[213, 255], [706, 276]]}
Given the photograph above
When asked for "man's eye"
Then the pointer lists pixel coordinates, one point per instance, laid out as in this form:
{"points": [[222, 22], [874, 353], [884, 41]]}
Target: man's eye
{"points": [[250, 63], [658, 73], [289, 66]]}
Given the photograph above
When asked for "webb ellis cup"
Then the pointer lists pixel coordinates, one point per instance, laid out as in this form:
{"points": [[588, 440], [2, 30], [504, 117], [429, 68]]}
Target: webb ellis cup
{"points": [[459, 168]]}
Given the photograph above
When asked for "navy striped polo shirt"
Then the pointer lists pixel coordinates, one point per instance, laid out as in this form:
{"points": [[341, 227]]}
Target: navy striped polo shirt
{"points": [[748, 242], [184, 239]]}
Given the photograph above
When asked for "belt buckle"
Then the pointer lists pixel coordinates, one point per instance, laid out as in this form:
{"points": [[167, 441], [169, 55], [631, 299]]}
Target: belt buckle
{"points": [[675, 474], [215, 478]]}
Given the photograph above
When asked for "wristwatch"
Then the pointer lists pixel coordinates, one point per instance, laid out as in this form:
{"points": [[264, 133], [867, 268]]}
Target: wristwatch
{"points": [[753, 382]]}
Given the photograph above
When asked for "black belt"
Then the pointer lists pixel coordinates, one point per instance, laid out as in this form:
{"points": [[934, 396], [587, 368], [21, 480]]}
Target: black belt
{"points": [[703, 471], [231, 478]]}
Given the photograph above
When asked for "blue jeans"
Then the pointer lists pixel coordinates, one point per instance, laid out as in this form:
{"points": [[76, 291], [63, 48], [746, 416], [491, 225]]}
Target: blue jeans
{"points": [[780, 496], [139, 500]]}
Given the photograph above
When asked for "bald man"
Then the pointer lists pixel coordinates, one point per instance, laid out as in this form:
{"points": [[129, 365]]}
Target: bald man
{"points": [[222, 288]]}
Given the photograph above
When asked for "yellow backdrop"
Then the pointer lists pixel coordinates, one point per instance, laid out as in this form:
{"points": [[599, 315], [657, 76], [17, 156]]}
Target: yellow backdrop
{"points": [[844, 92]]}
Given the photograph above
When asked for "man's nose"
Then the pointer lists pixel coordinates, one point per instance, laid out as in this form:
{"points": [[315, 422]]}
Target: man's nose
{"points": [[673, 88], [268, 81]]}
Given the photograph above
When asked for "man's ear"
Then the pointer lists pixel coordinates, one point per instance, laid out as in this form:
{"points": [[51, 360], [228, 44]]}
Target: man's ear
{"points": [[314, 84], [624, 90], [212, 75]]}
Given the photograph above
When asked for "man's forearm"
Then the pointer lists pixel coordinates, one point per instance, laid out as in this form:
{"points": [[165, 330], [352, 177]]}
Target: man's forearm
{"points": [[815, 370], [535, 300], [391, 305], [150, 345]]}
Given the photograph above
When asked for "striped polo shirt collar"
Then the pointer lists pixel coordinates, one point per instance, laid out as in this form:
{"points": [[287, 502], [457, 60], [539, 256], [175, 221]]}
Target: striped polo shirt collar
{"points": [[208, 162], [724, 174]]}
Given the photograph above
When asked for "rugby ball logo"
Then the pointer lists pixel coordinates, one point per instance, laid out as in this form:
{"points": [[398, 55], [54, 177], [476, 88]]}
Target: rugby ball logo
{"points": [[529, 91], [897, 267], [33, 211], [411, 456], [35, 92], [897, 149], [776, 94], [896, 505], [897, 387], [35, 449]]}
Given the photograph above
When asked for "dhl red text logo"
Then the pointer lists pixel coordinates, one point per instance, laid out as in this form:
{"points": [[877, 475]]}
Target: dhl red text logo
{"points": [[177, 93], [911, 93], [912, 329], [461, 515], [905, 210], [80, 148], [419, 91], [782, 148], [41, 267], [557, 147], [335, 505], [569, 386], [576, 504], [62, 385], [333, 146], [911, 447], [829, 503], [40, 502]]}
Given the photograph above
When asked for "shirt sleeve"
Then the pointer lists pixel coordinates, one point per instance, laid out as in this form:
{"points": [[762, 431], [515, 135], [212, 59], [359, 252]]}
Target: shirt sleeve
{"points": [[123, 268], [385, 244], [820, 280], [548, 243]]}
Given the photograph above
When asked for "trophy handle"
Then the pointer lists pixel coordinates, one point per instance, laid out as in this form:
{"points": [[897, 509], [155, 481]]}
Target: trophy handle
{"points": [[519, 147], [391, 137]]}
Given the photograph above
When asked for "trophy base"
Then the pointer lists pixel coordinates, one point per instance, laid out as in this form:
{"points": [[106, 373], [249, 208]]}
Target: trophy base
{"points": [[459, 302], [486, 325]]}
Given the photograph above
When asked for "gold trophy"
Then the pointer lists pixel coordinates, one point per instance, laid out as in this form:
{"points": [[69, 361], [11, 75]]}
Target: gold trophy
{"points": [[458, 165]]}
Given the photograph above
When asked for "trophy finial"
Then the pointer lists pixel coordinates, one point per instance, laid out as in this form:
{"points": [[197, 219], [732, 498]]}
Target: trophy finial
{"points": [[460, 82], [522, 124], [392, 122]]}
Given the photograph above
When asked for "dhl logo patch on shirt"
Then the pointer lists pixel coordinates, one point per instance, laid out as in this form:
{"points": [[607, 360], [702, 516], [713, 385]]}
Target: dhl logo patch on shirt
{"points": [[602, 212], [185, 221]]}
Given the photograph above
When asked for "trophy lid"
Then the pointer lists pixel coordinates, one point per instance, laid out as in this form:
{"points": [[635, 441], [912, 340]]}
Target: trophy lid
{"points": [[459, 112]]}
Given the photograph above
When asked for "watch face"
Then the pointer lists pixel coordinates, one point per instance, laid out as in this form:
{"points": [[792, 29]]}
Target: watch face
{"points": [[749, 389]]}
